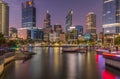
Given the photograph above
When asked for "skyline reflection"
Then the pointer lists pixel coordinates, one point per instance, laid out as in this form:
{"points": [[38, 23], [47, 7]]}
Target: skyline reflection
{"points": [[50, 63]]}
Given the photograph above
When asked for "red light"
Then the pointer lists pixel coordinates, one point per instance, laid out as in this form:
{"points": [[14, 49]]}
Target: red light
{"points": [[108, 54], [97, 56]]}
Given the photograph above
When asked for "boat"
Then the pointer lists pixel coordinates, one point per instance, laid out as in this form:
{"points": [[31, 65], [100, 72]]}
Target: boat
{"points": [[112, 59], [70, 49], [100, 51]]}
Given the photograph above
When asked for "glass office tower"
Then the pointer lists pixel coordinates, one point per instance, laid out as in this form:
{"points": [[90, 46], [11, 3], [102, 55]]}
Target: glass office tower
{"points": [[28, 14], [111, 16], [111, 20], [68, 23]]}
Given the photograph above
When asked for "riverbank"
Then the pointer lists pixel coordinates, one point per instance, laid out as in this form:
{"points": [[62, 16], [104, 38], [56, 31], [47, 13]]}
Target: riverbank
{"points": [[12, 56], [21, 55]]}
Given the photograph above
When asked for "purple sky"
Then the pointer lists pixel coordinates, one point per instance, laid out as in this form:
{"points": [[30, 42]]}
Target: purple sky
{"points": [[58, 10]]}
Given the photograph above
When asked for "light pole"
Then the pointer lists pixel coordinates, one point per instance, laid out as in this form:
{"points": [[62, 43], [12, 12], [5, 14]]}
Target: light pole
{"points": [[113, 38]]}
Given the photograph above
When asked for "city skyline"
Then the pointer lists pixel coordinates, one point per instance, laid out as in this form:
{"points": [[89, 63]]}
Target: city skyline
{"points": [[58, 12]]}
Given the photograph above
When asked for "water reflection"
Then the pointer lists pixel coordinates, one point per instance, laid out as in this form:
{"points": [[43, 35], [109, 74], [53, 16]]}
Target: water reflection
{"points": [[51, 63], [107, 75], [71, 66]]}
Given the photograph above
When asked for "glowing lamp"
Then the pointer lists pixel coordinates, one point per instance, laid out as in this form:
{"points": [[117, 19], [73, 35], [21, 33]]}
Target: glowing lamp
{"points": [[30, 3]]}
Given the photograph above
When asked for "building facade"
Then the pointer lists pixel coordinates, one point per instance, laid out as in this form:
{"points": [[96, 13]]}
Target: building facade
{"points": [[47, 26], [68, 22], [12, 33], [79, 29], [62, 37], [111, 16], [37, 34], [91, 24], [54, 37], [47, 20], [72, 35], [28, 14], [24, 33], [58, 28], [111, 20], [4, 18]]}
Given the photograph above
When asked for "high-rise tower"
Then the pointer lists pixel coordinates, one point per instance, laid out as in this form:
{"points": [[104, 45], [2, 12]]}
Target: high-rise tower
{"points": [[111, 19], [28, 14], [4, 18], [91, 24], [47, 26], [47, 20], [111, 16], [68, 23]]}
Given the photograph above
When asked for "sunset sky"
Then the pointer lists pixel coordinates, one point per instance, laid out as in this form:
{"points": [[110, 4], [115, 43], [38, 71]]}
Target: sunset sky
{"points": [[58, 10]]}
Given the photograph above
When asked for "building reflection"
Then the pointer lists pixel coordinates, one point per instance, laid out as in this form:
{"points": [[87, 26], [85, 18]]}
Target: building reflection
{"points": [[57, 61], [71, 66]]}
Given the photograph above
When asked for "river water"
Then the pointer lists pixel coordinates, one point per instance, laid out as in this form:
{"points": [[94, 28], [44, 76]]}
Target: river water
{"points": [[51, 63]]}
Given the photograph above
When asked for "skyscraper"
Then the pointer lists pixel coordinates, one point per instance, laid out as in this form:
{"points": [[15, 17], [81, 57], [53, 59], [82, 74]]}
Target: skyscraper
{"points": [[91, 24], [4, 18], [68, 23], [111, 19], [47, 26], [47, 20], [111, 16], [28, 14]]}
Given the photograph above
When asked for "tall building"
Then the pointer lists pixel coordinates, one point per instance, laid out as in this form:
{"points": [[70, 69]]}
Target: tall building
{"points": [[68, 23], [47, 20], [111, 19], [47, 26], [28, 14], [4, 18], [91, 24], [111, 16]]}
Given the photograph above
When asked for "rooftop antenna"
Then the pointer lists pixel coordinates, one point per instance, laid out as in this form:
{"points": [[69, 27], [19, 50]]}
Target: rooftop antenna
{"points": [[47, 11]]}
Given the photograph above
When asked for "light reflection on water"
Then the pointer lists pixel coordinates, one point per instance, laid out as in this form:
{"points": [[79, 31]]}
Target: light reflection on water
{"points": [[51, 63]]}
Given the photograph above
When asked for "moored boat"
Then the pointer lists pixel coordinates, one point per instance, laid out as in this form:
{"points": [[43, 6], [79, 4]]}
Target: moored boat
{"points": [[70, 49], [112, 59], [100, 51]]}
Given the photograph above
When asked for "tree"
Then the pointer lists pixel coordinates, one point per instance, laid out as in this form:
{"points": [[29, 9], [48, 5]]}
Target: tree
{"points": [[2, 39], [117, 40], [12, 43]]}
